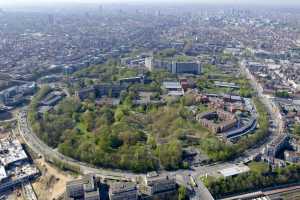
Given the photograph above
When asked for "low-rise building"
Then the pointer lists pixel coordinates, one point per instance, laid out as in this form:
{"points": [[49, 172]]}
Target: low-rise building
{"points": [[233, 171], [134, 80], [292, 156], [16, 95], [250, 126], [275, 146], [226, 121], [82, 189], [98, 91], [52, 98], [173, 88], [153, 184], [226, 84], [85, 93], [123, 191]]}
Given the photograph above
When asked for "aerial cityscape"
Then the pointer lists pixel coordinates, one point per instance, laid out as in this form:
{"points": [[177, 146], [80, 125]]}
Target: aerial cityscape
{"points": [[140, 100]]}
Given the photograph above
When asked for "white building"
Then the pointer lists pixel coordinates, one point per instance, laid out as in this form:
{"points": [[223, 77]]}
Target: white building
{"points": [[173, 88], [235, 170], [189, 67]]}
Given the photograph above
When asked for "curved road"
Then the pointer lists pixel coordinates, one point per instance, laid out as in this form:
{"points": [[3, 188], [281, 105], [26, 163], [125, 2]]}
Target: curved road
{"points": [[41, 148], [44, 150]]}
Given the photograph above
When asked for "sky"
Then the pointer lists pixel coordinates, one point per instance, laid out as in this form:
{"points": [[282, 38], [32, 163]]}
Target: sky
{"points": [[41, 2]]}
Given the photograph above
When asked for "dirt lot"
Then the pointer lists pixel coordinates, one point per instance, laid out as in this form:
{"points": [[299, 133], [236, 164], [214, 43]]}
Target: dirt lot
{"points": [[51, 185]]}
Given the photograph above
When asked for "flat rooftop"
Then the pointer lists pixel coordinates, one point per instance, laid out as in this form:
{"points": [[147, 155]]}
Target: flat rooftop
{"points": [[11, 151], [175, 93], [171, 85], [235, 170], [3, 174], [22, 171], [122, 187]]}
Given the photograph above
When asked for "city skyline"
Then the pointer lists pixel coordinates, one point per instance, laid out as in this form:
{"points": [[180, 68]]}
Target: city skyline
{"points": [[238, 2], [149, 99]]}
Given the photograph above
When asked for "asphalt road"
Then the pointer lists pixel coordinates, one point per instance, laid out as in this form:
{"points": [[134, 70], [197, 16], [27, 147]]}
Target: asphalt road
{"points": [[44, 150]]}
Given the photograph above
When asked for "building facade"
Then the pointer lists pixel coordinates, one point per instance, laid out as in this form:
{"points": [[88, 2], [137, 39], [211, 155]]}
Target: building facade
{"points": [[157, 184], [175, 67], [122, 191], [82, 189]]}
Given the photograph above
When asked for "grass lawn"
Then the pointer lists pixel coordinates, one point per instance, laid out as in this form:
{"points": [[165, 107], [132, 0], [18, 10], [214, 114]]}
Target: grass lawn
{"points": [[259, 167]]}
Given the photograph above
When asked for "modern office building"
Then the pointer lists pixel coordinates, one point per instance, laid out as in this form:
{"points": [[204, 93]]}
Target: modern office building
{"points": [[186, 67], [173, 66]]}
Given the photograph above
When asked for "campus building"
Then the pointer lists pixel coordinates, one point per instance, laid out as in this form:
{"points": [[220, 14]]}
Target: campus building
{"points": [[175, 67], [154, 184], [218, 121], [16, 95], [100, 90], [82, 189], [122, 191]]}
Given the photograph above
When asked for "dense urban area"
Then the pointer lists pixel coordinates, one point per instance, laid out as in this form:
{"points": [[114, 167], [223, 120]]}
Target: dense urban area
{"points": [[150, 102]]}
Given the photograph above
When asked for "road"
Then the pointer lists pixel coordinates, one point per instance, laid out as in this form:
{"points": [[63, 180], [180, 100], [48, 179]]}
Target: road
{"points": [[44, 150], [273, 110]]}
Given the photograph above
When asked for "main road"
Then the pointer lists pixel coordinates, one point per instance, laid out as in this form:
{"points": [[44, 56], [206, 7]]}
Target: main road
{"points": [[44, 150], [273, 110]]}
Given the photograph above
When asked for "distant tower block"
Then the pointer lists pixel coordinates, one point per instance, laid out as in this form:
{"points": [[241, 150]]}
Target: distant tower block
{"points": [[51, 19], [100, 9]]}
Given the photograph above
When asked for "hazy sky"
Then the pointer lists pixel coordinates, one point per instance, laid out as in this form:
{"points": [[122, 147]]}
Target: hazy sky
{"points": [[40, 2]]}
